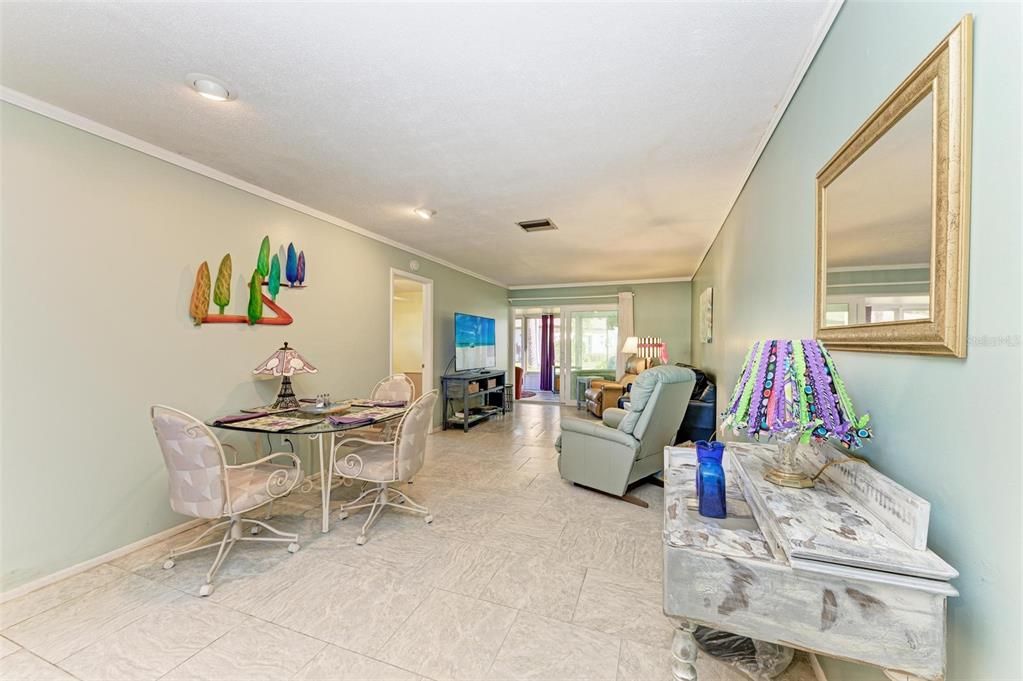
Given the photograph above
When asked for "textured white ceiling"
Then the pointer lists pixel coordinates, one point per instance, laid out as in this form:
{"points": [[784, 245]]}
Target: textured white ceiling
{"points": [[631, 126]]}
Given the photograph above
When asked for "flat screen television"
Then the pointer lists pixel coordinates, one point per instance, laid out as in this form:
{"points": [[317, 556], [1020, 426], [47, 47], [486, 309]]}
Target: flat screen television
{"points": [[475, 342]]}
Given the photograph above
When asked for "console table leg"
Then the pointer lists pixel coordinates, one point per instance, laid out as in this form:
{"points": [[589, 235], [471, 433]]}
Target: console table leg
{"points": [[683, 652]]}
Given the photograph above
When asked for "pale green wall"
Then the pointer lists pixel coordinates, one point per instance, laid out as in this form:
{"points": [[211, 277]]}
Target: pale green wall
{"points": [[660, 309], [946, 428], [100, 245]]}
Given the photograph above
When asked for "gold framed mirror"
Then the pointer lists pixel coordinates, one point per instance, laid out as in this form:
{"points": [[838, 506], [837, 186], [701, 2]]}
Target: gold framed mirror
{"points": [[893, 215]]}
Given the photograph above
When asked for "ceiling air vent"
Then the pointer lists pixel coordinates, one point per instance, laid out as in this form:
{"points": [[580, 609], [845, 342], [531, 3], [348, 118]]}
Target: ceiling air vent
{"points": [[544, 225]]}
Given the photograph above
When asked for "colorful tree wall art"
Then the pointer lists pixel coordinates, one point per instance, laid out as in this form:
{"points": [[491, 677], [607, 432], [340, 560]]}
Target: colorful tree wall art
{"points": [[267, 272]]}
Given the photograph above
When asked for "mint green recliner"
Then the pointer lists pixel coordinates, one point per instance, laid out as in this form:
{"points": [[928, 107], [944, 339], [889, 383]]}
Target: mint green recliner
{"points": [[628, 445]]}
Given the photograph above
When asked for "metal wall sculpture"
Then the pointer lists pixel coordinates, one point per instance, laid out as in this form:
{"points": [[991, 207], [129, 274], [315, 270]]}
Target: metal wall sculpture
{"points": [[266, 273]]}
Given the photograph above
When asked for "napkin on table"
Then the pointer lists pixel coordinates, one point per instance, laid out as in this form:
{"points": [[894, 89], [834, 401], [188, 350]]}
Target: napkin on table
{"points": [[234, 418], [348, 420]]}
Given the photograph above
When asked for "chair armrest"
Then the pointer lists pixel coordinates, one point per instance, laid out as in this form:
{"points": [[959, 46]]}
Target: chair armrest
{"points": [[612, 416], [363, 441], [599, 430], [249, 464], [599, 383], [611, 392], [353, 463], [278, 477]]}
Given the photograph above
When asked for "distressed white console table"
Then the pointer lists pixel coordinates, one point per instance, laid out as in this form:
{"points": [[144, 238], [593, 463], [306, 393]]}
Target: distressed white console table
{"points": [[841, 569]]}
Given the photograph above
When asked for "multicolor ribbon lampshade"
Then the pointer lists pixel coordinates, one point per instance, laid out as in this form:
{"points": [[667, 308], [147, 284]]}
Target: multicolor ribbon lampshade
{"points": [[285, 362], [791, 390]]}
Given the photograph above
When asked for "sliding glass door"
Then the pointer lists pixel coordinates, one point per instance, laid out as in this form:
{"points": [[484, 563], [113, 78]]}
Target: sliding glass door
{"points": [[585, 344], [590, 347]]}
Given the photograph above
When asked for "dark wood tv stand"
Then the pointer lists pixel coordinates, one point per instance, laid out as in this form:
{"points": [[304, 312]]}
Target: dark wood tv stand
{"points": [[479, 393]]}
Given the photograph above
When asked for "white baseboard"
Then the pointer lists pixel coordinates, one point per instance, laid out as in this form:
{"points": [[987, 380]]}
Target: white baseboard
{"points": [[98, 560], [109, 556], [79, 568], [818, 671]]}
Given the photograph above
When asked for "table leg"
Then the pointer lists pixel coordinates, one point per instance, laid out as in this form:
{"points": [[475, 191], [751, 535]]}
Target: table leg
{"points": [[325, 484], [683, 652]]}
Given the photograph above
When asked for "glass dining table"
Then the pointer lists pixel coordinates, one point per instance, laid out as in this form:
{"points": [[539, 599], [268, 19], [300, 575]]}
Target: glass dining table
{"points": [[320, 428]]}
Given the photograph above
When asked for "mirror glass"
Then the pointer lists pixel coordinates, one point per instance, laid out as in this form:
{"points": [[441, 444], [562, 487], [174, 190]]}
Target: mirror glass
{"points": [[879, 235]]}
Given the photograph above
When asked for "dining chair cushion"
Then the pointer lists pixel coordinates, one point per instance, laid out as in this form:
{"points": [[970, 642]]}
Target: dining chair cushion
{"points": [[255, 485], [368, 462]]}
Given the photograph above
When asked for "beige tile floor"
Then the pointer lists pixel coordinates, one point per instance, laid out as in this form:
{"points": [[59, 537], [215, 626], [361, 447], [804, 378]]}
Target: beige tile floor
{"points": [[521, 576]]}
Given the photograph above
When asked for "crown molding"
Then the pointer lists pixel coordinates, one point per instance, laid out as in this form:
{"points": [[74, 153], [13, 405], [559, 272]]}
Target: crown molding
{"points": [[834, 6], [621, 282], [88, 125]]}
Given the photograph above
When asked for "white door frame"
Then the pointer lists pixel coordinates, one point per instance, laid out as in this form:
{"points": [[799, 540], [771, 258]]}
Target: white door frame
{"points": [[520, 312], [510, 376], [428, 378], [567, 375]]}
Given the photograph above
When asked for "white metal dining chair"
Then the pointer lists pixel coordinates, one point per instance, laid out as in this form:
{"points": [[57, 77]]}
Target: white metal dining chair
{"points": [[203, 485], [394, 388], [381, 464]]}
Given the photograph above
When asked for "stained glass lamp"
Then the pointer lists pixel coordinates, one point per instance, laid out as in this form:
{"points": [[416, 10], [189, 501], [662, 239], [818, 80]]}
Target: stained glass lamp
{"points": [[791, 390], [285, 362]]}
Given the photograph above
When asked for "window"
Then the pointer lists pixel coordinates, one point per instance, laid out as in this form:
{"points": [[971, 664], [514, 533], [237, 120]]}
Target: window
{"points": [[532, 344], [594, 340], [836, 314], [519, 357], [876, 315], [897, 308]]}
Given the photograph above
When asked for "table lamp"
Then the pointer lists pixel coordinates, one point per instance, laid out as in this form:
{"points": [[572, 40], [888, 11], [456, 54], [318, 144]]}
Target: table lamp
{"points": [[285, 362], [791, 390], [631, 346]]}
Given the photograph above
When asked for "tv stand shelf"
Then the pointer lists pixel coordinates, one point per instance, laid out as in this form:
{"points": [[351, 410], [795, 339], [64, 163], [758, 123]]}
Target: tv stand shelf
{"points": [[480, 394]]}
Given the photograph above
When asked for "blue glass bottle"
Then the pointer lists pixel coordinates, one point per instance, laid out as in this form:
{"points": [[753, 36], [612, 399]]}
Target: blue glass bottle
{"points": [[710, 479]]}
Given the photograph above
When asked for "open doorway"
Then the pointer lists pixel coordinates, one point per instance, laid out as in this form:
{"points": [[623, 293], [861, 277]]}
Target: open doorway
{"points": [[581, 342], [529, 341], [533, 330], [411, 346]]}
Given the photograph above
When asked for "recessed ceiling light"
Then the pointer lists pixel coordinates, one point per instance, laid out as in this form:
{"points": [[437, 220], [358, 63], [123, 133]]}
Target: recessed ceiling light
{"points": [[210, 87], [425, 213]]}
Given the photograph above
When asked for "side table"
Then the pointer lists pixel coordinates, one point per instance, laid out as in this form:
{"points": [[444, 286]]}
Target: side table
{"points": [[840, 569], [582, 384]]}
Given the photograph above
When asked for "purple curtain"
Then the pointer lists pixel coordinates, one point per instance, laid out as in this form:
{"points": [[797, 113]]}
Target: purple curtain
{"points": [[547, 352]]}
